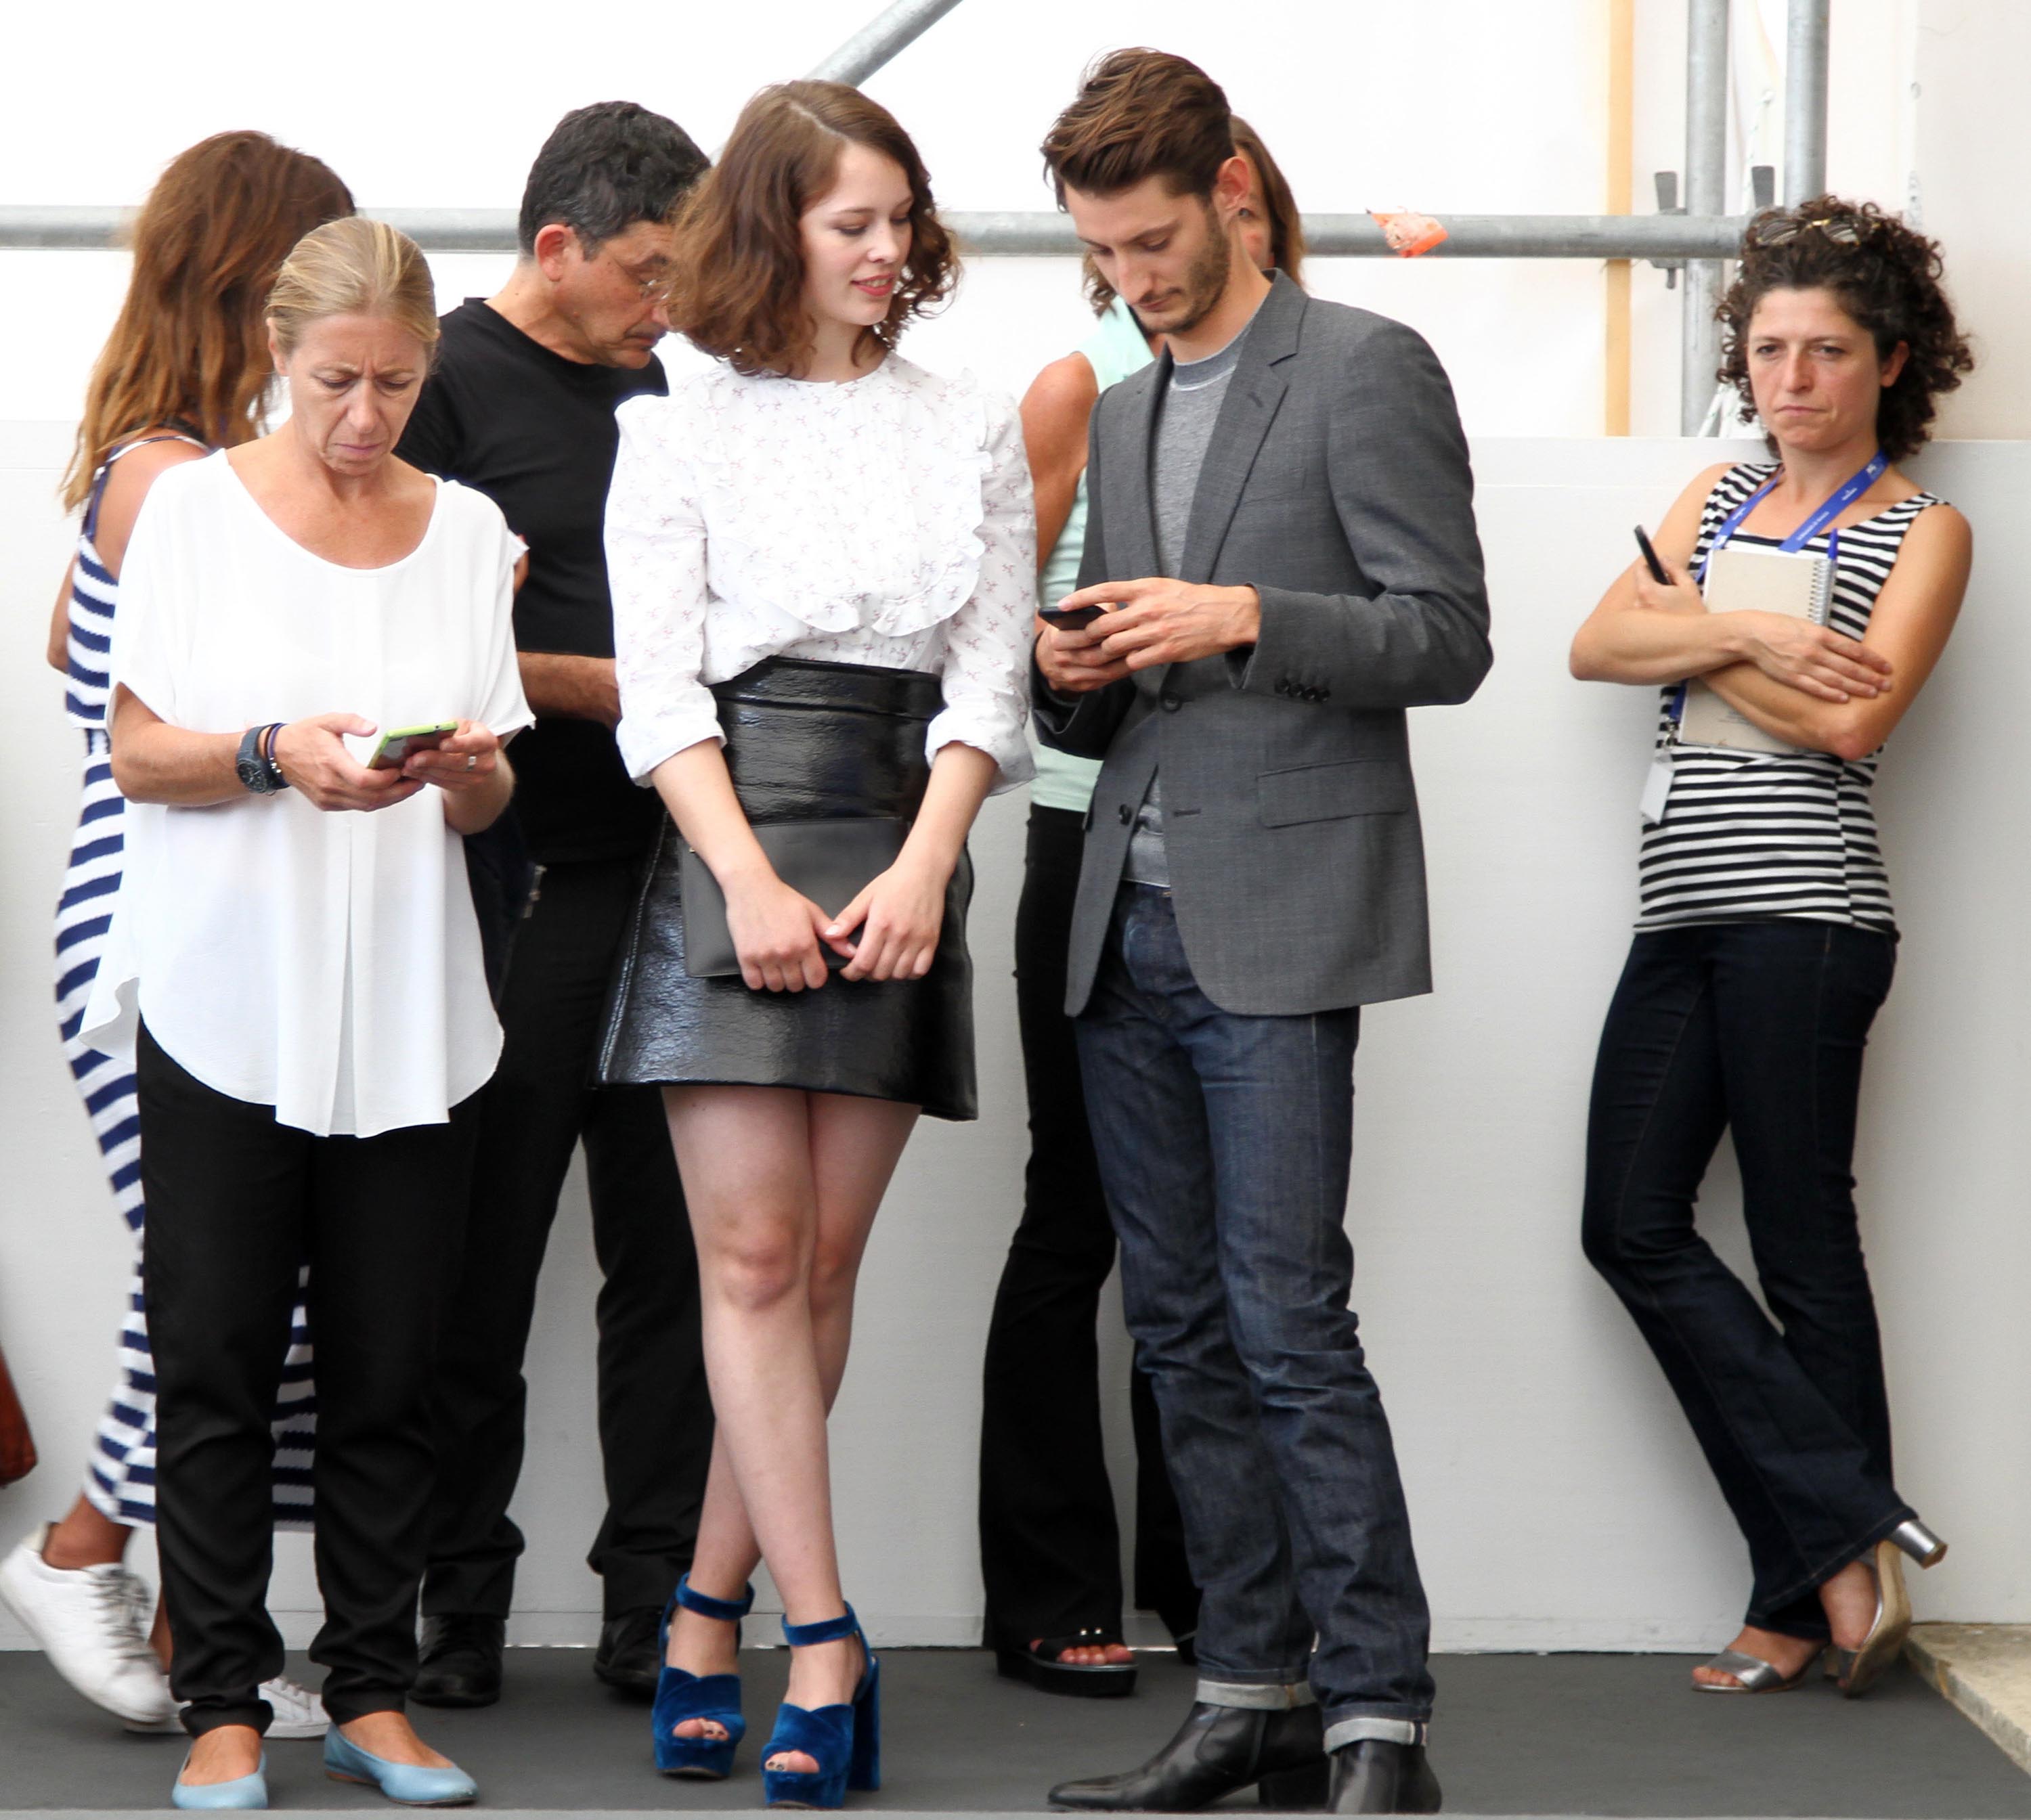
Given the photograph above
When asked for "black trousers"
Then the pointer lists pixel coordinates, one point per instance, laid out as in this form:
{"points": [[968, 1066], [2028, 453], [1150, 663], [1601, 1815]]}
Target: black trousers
{"points": [[1755, 1028], [655, 1413], [1050, 1550], [237, 1205]]}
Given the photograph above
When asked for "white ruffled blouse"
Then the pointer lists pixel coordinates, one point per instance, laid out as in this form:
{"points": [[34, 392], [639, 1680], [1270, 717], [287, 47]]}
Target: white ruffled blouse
{"points": [[884, 520]]}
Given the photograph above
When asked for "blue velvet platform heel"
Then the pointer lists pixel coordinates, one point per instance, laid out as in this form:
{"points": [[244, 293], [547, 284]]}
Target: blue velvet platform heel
{"points": [[845, 1742], [681, 1695]]}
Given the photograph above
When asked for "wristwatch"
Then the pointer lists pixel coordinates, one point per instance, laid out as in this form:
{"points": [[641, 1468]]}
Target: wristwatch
{"points": [[256, 764]]}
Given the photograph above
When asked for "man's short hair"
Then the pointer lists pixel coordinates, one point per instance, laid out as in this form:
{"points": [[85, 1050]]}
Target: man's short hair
{"points": [[603, 169], [1138, 114]]}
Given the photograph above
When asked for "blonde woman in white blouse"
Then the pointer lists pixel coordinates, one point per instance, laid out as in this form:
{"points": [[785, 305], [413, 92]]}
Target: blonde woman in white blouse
{"points": [[820, 558], [295, 967]]}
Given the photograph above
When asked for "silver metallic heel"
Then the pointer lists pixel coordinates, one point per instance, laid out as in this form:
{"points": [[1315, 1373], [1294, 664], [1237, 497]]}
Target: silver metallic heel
{"points": [[1856, 1670], [1919, 1542]]}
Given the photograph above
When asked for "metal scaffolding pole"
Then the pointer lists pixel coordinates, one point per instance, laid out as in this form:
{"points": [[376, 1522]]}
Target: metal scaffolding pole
{"points": [[1706, 183], [1808, 24], [1040, 234], [878, 40]]}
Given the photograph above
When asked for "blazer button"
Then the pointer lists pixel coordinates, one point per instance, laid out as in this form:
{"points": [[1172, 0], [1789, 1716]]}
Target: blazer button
{"points": [[1128, 815], [1171, 704], [1284, 686]]}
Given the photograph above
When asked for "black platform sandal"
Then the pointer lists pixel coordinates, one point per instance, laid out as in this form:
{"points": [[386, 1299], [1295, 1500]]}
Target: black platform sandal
{"points": [[1039, 1665]]}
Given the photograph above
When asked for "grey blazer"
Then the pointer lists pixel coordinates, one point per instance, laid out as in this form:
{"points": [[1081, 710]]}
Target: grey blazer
{"points": [[1337, 485]]}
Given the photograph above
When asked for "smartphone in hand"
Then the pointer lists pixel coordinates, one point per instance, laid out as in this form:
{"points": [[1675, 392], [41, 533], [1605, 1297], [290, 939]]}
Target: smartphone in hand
{"points": [[398, 742], [1070, 619]]}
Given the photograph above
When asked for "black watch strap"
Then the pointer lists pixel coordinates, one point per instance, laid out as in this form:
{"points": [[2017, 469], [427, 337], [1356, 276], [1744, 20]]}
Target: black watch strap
{"points": [[254, 762]]}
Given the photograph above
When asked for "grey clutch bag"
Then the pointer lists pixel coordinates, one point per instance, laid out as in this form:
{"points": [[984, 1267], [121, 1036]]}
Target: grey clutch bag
{"points": [[829, 861]]}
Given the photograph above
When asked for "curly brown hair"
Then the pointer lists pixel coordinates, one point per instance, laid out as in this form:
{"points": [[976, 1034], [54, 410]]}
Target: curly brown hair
{"points": [[1884, 273], [737, 284]]}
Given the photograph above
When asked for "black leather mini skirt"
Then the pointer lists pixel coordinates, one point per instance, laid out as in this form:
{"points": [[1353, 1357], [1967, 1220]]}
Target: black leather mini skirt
{"points": [[805, 742]]}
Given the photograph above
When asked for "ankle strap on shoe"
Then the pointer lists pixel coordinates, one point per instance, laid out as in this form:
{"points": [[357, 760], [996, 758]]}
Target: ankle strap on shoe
{"points": [[726, 1610], [826, 1631]]}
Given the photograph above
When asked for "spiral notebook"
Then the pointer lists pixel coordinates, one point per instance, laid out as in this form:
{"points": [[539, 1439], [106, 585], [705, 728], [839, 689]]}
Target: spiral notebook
{"points": [[1741, 576]]}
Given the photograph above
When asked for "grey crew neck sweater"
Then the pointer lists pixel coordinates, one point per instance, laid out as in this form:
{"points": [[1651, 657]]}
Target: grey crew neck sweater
{"points": [[1185, 418]]}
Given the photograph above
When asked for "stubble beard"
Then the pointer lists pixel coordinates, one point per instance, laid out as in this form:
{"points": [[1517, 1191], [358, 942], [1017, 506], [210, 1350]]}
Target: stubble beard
{"points": [[1206, 281]]}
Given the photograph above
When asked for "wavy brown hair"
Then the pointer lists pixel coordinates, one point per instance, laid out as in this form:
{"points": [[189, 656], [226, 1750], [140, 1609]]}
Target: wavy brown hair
{"points": [[1141, 114], [737, 284], [1286, 226], [1884, 273], [189, 346]]}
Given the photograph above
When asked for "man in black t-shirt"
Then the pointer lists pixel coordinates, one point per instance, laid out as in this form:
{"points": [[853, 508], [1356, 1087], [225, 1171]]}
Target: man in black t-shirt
{"points": [[520, 406]]}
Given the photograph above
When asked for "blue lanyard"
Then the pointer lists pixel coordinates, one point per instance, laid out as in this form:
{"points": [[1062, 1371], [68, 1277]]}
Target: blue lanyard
{"points": [[1837, 502]]}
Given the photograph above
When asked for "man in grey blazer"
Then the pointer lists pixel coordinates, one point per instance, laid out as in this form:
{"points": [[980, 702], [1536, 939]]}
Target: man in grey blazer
{"points": [[1280, 526]]}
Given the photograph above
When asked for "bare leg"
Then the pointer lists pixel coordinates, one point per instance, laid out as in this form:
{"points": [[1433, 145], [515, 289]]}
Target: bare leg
{"points": [[224, 1754], [782, 1188], [392, 1738], [86, 1538], [1850, 1599]]}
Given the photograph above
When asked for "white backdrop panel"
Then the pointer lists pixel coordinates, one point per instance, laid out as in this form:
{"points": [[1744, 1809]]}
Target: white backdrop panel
{"points": [[1558, 1501]]}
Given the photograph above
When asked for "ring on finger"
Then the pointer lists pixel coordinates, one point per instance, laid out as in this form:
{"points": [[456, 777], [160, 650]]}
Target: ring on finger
{"points": [[472, 760]]}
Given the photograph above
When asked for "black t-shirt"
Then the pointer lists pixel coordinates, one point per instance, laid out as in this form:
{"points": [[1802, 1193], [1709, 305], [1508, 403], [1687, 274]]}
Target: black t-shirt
{"points": [[535, 433]]}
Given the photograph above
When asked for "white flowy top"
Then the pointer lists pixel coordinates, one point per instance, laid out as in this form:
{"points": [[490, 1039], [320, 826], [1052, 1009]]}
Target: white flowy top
{"points": [[324, 963], [883, 520]]}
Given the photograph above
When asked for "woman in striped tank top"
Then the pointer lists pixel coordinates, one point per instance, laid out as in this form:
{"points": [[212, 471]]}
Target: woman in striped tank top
{"points": [[1766, 940], [186, 369]]}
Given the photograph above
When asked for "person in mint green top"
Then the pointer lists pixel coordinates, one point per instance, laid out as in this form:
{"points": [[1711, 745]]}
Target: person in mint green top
{"points": [[1116, 347], [1050, 1551]]}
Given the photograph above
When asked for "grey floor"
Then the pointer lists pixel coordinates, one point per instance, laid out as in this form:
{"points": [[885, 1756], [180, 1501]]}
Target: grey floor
{"points": [[1517, 1735]]}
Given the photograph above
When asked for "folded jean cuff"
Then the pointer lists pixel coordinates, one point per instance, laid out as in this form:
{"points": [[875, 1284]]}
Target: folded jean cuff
{"points": [[1258, 1696], [1344, 1731]]}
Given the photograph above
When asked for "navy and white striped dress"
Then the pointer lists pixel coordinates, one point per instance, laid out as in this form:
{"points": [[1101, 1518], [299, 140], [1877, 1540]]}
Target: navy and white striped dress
{"points": [[120, 1479], [1751, 835]]}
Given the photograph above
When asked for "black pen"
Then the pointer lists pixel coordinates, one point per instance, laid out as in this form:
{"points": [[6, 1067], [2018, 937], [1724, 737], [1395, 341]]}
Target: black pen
{"points": [[1658, 574]]}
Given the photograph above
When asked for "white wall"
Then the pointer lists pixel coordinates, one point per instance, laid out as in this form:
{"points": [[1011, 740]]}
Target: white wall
{"points": [[1558, 1500]]}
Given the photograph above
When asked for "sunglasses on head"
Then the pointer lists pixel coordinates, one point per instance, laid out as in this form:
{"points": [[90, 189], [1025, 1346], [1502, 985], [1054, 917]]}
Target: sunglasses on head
{"points": [[1843, 230]]}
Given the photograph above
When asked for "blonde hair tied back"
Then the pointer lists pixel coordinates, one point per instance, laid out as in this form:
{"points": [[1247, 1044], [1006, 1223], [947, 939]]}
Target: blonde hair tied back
{"points": [[354, 267]]}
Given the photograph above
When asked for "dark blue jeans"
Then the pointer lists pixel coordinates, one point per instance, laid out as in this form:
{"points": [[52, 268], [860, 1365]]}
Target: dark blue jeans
{"points": [[1755, 1028], [1224, 1143]]}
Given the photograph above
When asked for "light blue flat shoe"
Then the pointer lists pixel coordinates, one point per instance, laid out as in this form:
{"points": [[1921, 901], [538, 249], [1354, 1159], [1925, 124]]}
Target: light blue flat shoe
{"points": [[409, 1784], [244, 1791]]}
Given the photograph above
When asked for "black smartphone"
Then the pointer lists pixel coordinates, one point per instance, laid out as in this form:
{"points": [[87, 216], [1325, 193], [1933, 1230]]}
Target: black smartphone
{"points": [[1070, 619], [1658, 574]]}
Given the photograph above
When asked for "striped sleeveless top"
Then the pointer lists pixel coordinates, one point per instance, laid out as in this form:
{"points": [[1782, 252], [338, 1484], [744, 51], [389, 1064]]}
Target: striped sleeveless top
{"points": [[1748, 837], [94, 594]]}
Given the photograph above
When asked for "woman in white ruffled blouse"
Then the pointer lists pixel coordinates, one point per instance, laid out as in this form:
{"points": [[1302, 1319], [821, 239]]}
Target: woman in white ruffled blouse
{"points": [[821, 559]]}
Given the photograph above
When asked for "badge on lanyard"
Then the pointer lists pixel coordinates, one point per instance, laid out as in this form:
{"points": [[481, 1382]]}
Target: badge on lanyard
{"points": [[1657, 785]]}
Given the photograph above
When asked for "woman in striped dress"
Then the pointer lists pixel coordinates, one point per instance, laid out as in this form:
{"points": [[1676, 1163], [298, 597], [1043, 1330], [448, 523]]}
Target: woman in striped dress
{"points": [[1766, 940], [184, 370]]}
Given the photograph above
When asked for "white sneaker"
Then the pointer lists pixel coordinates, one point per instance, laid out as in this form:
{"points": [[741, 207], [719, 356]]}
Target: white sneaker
{"points": [[84, 1619], [298, 1713]]}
